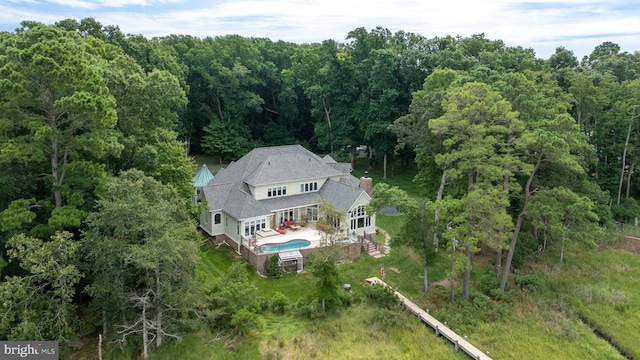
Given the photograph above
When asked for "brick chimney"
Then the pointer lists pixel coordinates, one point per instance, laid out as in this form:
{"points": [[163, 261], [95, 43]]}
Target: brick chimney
{"points": [[366, 183]]}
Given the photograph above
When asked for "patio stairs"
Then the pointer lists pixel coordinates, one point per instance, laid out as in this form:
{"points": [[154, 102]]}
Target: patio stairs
{"points": [[372, 248]]}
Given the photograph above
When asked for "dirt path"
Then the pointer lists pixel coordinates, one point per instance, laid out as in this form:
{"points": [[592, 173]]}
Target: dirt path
{"points": [[386, 248]]}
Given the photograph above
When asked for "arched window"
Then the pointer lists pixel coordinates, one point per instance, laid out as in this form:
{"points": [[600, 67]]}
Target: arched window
{"points": [[217, 219]]}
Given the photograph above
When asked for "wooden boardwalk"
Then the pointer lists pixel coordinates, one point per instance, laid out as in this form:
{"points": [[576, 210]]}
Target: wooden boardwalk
{"points": [[458, 341]]}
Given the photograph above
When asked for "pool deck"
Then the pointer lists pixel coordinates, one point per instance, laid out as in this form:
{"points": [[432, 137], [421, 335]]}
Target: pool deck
{"points": [[304, 233]]}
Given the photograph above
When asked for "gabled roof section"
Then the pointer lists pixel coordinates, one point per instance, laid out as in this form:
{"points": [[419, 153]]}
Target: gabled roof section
{"points": [[344, 168], [235, 200], [203, 177], [351, 180], [278, 164], [341, 195], [328, 159]]}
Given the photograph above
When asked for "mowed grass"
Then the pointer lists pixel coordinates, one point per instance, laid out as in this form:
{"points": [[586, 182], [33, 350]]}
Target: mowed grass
{"points": [[212, 163], [397, 175]]}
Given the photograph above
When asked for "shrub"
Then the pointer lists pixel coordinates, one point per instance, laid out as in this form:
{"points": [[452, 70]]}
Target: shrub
{"points": [[345, 298], [481, 300], [385, 319], [626, 211], [530, 282], [279, 302], [271, 267], [243, 321], [310, 308], [381, 295], [488, 282]]}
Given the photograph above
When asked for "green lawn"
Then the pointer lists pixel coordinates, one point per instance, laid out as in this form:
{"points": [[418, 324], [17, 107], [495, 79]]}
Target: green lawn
{"points": [[211, 162], [396, 175]]}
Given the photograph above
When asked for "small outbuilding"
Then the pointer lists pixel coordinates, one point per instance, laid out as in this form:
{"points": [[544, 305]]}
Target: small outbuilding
{"points": [[291, 260]]}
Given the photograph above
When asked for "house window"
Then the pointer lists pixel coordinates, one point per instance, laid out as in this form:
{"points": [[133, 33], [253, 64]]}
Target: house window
{"points": [[288, 214], [312, 213], [217, 219], [308, 187], [276, 191], [251, 226], [359, 218]]}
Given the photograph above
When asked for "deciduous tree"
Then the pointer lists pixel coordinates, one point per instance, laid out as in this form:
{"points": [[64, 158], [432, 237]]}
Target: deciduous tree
{"points": [[142, 236], [39, 305]]}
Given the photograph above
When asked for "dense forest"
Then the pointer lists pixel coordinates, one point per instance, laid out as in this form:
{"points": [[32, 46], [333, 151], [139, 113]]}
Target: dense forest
{"points": [[96, 129]]}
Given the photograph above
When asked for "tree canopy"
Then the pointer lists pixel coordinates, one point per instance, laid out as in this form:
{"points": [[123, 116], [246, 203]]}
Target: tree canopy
{"points": [[97, 126]]}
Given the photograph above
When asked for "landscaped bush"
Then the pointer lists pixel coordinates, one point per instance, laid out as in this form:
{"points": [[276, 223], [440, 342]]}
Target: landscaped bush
{"points": [[271, 267]]}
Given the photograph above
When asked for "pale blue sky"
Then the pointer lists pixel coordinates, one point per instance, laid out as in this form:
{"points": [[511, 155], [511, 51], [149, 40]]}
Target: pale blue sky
{"points": [[543, 25]]}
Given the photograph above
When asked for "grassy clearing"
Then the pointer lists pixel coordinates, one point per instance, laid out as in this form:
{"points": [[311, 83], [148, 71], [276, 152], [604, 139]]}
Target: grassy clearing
{"points": [[604, 289], [401, 176], [359, 332], [211, 162], [391, 224]]}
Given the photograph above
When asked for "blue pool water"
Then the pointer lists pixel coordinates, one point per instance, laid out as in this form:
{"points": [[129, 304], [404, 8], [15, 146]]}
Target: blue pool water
{"points": [[289, 245]]}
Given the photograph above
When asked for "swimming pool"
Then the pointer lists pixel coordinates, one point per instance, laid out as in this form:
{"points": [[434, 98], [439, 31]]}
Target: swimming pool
{"points": [[289, 245]]}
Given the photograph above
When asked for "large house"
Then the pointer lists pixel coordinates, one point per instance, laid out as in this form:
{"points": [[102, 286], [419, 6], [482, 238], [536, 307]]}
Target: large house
{"points": [[281, 184]]}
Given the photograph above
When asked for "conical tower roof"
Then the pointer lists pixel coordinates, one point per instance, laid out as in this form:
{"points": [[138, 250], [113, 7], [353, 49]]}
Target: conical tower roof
{"points": [[203, 177]]}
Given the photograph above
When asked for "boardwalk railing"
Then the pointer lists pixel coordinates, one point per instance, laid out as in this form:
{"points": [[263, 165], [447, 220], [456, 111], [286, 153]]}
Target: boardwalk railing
{"points": [[441, 329]]}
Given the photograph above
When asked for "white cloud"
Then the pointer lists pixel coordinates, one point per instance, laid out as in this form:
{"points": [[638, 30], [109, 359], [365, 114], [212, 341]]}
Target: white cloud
{"points": [[578, 25], [75, 4]]}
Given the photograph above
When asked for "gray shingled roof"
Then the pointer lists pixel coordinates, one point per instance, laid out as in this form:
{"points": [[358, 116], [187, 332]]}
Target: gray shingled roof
{"points": [[341, 195], [286, 202], [234, 199], [344, 168], [277, 164], [228, 190], [351, 180]]}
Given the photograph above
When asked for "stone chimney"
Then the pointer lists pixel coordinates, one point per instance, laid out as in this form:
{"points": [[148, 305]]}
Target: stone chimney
{"points": [[366, 183]]}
